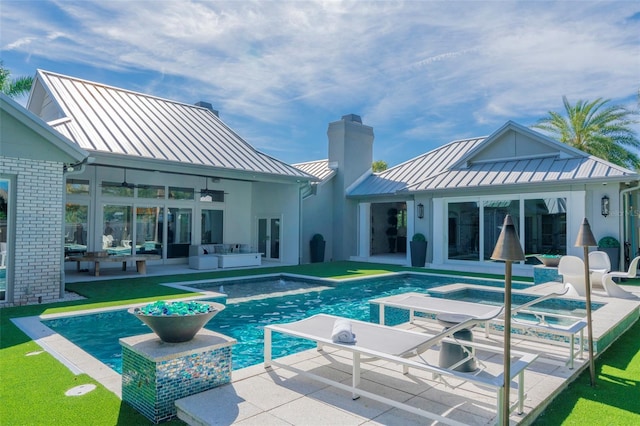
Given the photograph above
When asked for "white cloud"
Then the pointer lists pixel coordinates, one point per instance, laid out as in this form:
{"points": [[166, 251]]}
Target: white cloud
{"points": [[421, 63]]}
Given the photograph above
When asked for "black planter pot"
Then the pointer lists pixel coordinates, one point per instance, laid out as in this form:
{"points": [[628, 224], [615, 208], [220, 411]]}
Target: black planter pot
{"points": [[317, 251], [418, 253]]}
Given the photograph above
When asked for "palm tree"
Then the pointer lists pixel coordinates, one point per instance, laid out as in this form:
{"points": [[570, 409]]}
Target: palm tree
{"points": [[597, 129], [17, 86]]}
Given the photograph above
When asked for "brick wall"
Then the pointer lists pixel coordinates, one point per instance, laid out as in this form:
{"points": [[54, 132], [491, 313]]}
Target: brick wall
{"points": [[38, 248]]}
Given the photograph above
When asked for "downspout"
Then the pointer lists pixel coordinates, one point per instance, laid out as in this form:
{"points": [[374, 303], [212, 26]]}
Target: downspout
{"points": [[68, 171], [624, 193]]}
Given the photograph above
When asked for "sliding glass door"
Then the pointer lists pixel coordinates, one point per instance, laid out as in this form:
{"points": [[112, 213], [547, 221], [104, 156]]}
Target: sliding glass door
{"points": [[269, 237]]}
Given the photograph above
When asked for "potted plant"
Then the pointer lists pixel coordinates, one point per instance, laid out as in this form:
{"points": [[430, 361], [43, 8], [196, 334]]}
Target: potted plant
{"points": [[318, 245], [176, 322], [418, 250], [611, 246]]}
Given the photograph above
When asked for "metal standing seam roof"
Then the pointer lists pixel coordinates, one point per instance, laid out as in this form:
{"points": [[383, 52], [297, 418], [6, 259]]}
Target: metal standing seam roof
{"points": [[441, 169], [117, 121], [526, 171], [432, 163], [319, 169]]}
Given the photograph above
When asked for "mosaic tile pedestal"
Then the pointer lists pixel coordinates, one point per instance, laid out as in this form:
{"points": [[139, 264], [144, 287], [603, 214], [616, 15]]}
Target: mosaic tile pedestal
{"points": [[545, 274], [155, 373]]}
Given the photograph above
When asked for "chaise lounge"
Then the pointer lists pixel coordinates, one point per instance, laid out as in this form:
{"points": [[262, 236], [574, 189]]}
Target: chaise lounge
{"points": [[402, 347], [419, 302]]}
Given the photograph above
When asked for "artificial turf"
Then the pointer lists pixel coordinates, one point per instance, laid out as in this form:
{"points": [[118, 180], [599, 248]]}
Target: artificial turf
{"points": [[33, 383]]}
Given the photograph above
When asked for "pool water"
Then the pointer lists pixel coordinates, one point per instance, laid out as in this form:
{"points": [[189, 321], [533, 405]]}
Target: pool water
{"points": [[248, 310]]}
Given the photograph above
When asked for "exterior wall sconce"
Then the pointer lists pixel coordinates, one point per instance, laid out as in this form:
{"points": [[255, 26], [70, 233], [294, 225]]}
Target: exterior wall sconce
{"points": [[420, 211], [604, 206]]}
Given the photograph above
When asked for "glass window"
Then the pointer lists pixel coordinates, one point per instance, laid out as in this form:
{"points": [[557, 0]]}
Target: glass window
{"points": [[117, 233], [149, 230], [176, 193], [464, 231], [77, 187], [211, 225], [545, 226], [76, 217], [494, 214], [115, 189], [211, 195], [151, 191], [178, 232]]}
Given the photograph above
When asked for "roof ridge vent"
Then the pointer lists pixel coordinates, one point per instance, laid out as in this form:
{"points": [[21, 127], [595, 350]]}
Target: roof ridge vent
{"points": [[208, 106], [353, 118]]}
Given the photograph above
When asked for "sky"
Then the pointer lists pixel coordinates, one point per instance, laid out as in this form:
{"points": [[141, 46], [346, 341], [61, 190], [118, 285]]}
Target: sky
{"points": [[421, 73]]}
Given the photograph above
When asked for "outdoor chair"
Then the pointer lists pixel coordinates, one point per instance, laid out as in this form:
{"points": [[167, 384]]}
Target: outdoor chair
{"points": [[398, 346], [630, 273], [572, 270], [599, 264], [614, 290], [536, 325]]}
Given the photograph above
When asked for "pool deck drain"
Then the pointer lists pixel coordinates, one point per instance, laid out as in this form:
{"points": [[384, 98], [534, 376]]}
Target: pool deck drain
{"points": [[278, 397]]}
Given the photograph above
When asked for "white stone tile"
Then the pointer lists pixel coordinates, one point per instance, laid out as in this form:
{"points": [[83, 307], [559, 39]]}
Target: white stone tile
{"points": [[218, 406], [310, 412], [263, 419]]}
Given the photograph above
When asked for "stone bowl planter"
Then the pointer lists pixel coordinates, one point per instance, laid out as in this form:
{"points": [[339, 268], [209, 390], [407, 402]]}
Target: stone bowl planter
{"points": [[549, 260], [176, 322]]}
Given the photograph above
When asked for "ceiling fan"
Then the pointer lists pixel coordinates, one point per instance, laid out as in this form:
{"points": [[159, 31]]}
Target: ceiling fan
{"points": [[216, 195], [124, 183]]}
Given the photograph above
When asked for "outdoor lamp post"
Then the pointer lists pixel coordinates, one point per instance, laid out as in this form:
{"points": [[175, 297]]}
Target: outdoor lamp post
{"points": [[586, 239], [509, 250]]}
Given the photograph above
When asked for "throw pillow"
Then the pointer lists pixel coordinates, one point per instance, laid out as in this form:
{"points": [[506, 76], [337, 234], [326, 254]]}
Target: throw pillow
{"points": [[205, 251]]}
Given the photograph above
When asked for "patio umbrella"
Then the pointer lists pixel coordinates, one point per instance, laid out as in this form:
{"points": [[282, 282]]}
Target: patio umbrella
{"points": [[509, 250], [585, 239]]}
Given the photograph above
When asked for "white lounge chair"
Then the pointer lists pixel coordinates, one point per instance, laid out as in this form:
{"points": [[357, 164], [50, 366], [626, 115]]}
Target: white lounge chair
{"points": [[374, 341], [630, 273], [599, 264], [432, 306], [572, 270], [614, 290]]}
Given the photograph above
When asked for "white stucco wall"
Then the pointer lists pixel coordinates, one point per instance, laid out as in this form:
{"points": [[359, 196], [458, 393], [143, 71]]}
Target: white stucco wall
{"points": [[280, 201], [317, 218]]}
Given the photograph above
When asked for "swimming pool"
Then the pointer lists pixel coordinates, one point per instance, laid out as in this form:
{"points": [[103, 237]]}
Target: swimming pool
{"points": [[251, 306]]}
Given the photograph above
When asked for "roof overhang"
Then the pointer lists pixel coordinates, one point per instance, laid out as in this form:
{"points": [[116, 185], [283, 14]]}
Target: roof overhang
{"points": [[152, 165]]}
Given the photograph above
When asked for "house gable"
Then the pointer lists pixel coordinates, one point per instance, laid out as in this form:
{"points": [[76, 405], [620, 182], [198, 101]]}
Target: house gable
{"points": [[23, 135], [515, 142]]}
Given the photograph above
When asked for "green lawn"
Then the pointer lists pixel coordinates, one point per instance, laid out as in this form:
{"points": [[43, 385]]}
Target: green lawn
{"points": [[33, 383]]}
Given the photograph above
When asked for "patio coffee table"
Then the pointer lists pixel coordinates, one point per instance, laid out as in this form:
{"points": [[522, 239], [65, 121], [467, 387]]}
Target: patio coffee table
{"points": [[140, 259]]}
